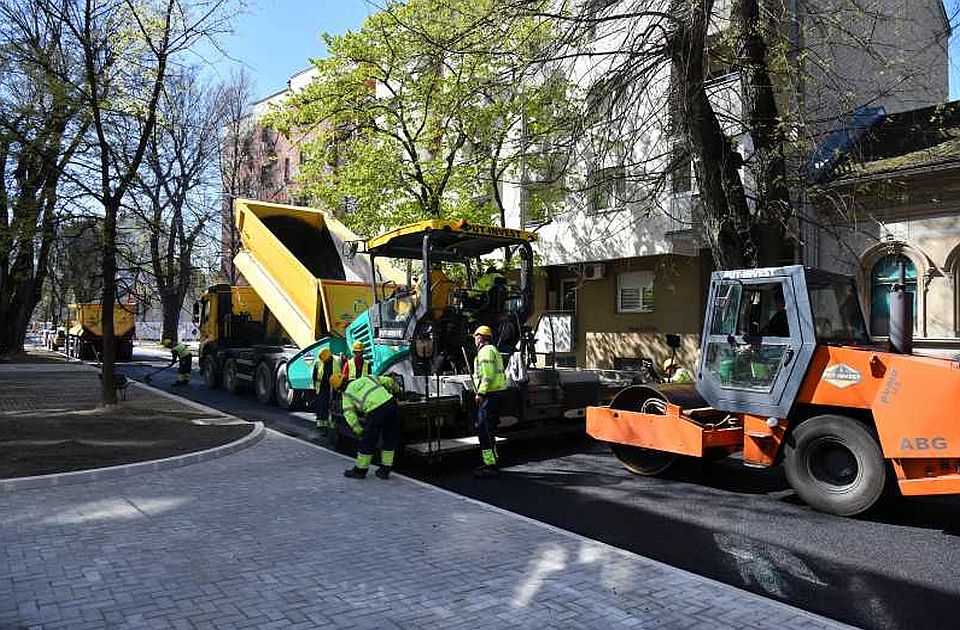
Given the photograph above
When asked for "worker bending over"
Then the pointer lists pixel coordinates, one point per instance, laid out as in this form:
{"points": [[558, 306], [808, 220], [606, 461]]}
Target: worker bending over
{"points": [[357, 366], [490, 383], [323, 368], [180, 352], [373, 399]]}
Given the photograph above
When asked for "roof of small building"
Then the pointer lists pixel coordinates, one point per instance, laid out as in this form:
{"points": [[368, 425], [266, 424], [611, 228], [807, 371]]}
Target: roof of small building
{"points": [[917, 138]]}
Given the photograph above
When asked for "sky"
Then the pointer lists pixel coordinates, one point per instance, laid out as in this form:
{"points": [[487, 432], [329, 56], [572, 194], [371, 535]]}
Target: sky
{"points": [[276, 38]]}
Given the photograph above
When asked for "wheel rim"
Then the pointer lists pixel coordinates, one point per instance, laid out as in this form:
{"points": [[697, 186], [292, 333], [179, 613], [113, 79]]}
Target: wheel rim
{"points": [[833, 464], [208, 372], [229, 374], [261, 385], [283, 389]]}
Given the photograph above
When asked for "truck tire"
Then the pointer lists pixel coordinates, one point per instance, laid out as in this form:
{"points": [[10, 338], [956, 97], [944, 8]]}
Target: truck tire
{"points": [[231, 376], [835, 465], [263, 382], [211, 374], [287, 397]]}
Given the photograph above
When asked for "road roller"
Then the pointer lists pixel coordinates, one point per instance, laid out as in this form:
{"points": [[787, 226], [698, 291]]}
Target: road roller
{"points": [[789, 375]]}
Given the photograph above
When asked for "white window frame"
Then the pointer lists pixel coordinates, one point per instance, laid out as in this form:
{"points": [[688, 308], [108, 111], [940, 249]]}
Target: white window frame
{"points": [[641, 282]]}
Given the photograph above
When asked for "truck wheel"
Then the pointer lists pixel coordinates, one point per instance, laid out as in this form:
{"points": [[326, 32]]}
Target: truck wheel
{"points": [[835, 465], [636, 459], [263, 383], [286, 397], [231, 380], [211, 375]]}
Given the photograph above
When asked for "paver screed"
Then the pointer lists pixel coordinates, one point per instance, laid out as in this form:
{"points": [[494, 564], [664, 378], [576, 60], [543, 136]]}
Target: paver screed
{"points": [[274, 537]]}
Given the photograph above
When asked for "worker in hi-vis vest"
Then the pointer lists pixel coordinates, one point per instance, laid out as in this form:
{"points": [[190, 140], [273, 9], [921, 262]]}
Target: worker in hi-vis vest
{"points": [[324, 367], [357, 366], [490, 383], [371, 398], [180, 353]]}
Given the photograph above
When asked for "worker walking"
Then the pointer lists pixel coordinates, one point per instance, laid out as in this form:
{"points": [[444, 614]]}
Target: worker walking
{"points": [[490, 383], [357, 366], [323, 368], [373, 399], [180, 352]]}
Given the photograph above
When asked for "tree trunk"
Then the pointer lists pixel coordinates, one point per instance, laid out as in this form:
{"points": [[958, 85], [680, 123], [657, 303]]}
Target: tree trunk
{"points": [[109, 268], [724, 206], [763, 119], [171, 315]]}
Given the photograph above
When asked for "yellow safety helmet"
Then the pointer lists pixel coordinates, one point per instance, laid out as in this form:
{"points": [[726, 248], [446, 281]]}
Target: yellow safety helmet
{"points": [[324, 354], [484, 330], [669, 364], [358, 346], [166, 343], [336, 380]]}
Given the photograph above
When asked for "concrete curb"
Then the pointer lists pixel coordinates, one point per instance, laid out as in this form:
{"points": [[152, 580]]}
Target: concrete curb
{"points": [[137, 468], [128, 470]]}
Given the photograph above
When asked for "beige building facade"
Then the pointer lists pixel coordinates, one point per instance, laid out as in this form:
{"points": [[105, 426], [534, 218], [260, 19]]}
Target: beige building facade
{"points": [[895, 200]]}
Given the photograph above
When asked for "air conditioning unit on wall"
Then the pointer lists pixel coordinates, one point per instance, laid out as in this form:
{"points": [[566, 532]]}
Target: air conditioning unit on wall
{"points": [[593, 271]]}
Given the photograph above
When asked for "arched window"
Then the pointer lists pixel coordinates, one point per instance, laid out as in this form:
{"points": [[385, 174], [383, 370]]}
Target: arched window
{"points": [[885, 274]]}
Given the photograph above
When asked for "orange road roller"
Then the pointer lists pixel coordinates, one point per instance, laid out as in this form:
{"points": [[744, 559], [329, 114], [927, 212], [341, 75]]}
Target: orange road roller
{"points": [[788, 374]]}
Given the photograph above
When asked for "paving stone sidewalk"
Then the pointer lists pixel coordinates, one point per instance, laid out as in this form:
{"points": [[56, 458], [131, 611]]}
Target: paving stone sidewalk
{"points": [[274, 537]]}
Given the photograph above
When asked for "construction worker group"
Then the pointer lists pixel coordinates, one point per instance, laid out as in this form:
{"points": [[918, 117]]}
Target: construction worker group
{"points": [[372, 413]]}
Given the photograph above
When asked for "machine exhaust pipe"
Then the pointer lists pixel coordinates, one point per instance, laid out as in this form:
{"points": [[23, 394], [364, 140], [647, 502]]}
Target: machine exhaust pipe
{"points": [[901, 316]]}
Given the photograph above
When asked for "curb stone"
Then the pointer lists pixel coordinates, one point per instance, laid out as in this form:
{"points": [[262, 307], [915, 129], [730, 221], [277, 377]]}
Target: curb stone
{"points": [[136, 468]]}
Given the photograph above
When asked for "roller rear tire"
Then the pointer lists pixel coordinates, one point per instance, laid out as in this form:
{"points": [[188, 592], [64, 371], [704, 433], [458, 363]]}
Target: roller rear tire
{"points": [[835, 465]]}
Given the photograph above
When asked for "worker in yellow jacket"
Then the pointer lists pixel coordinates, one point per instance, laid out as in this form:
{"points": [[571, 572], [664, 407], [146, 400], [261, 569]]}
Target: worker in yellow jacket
{"points": [[181, 354], [490, 385], [371, 398]]}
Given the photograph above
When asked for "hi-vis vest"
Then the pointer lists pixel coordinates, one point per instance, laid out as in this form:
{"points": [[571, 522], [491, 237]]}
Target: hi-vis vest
{"points": [[181, 350], [352, 368], [364, 395], [319, 382], [488, 373]]}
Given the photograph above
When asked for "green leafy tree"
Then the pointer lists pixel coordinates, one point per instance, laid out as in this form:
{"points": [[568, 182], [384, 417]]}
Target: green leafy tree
{"points": [[417, 115]]}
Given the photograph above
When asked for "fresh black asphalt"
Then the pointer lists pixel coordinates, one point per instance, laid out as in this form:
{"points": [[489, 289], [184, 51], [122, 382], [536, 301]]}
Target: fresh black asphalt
{"points": [[898, 567]]}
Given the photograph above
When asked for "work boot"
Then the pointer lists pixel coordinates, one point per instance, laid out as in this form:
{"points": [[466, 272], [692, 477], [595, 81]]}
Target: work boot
{"points": [[355, 473], [486, 472], [383, 472]]}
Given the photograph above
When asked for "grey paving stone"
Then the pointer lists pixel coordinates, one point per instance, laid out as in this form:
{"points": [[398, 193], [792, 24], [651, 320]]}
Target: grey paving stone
{"points": [[274, 537]]}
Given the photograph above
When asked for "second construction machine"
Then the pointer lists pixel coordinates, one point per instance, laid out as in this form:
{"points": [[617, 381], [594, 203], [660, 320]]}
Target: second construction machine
{"points": [[788, 374]]}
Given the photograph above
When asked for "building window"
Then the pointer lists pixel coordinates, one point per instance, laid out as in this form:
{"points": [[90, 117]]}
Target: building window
{"points": [[608, 189], [635, 292], [568, 296], [885, 274], [286, 170]]}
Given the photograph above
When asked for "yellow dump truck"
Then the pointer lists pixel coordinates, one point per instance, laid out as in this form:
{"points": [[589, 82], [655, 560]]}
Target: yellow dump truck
{"points": [[302, 289], [85, 334]]}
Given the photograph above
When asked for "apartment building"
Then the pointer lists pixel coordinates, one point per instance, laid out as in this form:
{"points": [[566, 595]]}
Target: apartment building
{"points": [[630, 267], [260, 163]]}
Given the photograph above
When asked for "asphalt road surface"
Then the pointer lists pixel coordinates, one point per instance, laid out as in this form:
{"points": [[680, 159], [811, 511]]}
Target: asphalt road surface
{"points": [[896, 568]]}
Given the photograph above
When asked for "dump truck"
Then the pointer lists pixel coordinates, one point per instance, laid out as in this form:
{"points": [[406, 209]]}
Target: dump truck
{"points": [[300, 290], [789, 374], [85, 331], [421, 334]]}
